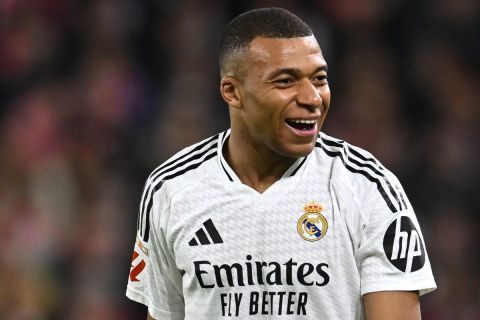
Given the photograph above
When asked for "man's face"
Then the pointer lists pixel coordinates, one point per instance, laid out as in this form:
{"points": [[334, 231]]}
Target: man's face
{"points": [[284, 94]]}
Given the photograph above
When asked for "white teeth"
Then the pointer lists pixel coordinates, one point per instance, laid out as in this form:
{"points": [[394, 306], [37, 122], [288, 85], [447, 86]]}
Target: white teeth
{"points": [[304, 121]]}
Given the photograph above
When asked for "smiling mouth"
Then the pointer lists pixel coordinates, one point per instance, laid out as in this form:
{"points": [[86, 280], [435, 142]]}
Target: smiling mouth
{"points": [[302, 125]]}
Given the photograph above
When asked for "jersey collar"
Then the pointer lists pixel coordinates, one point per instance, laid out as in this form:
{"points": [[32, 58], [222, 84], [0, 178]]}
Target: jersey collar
{"points": [[232, 176]]}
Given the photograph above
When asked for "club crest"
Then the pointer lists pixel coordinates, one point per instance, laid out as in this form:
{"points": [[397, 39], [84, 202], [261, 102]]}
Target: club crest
{"points": [[312, 226]]}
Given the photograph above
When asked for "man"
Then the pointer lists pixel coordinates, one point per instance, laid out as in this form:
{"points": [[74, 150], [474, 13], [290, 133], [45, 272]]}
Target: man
{"points": [[272, 218]]}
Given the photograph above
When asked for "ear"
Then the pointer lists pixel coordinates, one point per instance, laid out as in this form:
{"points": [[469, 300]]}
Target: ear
{"points": [[230, 92]]}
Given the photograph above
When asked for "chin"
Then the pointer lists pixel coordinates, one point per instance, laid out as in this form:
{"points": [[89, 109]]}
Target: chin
{"points": [[298, 151]]}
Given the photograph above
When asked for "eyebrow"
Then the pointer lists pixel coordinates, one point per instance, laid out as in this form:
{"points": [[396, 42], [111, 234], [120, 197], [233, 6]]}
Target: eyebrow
{"points": [[295, 71]]}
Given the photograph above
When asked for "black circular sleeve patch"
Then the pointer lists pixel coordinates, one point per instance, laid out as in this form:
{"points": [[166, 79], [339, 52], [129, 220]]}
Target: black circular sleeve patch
{"points": [[403, 245]]}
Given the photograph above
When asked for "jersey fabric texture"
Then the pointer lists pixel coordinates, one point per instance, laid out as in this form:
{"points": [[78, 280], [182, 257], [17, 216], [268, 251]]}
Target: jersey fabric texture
{"points": [[336, 226]]}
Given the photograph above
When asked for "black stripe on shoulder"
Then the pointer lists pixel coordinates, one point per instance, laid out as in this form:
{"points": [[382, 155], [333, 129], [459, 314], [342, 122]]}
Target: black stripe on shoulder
{"points": [[364, 173], [344, 147], [172, 161], [332, 143], [189, 168], [377, 168], [403, 200], [361, 156], [158, 184], [380, 170], [341, 144], [146, 234], [190, 158], [177, 163], [170, 166]]}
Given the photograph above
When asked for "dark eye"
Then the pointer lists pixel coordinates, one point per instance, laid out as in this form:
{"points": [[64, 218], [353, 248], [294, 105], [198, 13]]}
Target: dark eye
{"points": [[321, 79], [283, 81]]}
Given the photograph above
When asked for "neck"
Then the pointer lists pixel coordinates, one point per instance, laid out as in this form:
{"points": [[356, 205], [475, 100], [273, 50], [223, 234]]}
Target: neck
{"points": [[257, 166]]}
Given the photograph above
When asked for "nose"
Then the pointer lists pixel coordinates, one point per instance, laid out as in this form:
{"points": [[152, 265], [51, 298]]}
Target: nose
{"points": [[308, 95]]}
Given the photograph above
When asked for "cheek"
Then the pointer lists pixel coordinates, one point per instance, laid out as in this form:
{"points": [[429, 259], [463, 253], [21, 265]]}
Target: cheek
{"points": [[264, 110], [267, 107], [326, 96]]}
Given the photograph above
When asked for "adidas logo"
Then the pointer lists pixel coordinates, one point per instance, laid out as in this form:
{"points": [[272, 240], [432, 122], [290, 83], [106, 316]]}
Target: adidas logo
{"points": [[202, 237]]}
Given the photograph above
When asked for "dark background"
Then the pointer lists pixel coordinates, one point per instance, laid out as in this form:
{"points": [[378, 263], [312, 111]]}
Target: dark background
{"points": [[95, 94]]}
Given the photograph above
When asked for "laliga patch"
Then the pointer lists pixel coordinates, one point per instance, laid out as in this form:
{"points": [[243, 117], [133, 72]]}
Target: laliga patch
{"points": [[137, 268], [403, 245], [138, 264], [312, 226]]}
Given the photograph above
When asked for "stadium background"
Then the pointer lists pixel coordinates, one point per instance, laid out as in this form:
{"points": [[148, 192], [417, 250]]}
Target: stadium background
{"points": [[95, 94]]}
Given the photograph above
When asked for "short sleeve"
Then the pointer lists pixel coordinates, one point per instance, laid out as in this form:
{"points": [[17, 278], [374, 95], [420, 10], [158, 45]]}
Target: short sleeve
{"points": [[392, 255], [154, 279]]}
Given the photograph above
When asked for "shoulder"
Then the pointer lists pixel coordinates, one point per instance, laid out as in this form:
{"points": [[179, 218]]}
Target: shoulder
{"points": [[189, 160], [352, 158], [360, 170], [158, 189], [344, 151]]}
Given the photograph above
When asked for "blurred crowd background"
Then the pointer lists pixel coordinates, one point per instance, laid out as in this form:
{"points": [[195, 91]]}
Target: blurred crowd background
{"points": [[95, 94]]}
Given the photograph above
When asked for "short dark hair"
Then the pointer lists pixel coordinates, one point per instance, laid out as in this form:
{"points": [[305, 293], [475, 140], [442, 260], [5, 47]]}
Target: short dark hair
{"points": [[264, 22]]}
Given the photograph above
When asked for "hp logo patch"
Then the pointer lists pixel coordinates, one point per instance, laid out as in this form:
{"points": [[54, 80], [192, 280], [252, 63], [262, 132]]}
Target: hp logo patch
{"points": [[403, 245]]}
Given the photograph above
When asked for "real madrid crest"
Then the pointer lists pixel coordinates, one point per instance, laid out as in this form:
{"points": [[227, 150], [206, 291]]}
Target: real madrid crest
{"points": [[312, 226]]}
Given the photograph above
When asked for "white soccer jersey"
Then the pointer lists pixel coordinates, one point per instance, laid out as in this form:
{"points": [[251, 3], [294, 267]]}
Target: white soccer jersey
{"points": [[337, 225]]}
